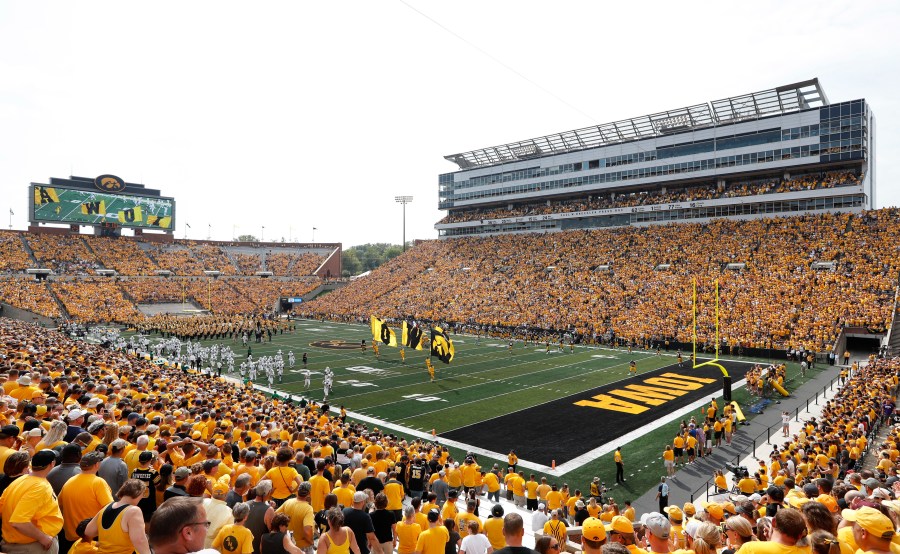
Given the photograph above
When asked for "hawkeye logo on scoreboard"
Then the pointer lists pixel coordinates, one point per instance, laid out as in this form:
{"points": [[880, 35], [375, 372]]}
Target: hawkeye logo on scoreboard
{"points": [[109, 183]]}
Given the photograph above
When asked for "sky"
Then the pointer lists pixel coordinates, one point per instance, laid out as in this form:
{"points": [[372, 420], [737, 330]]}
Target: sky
{"points": [[295, 115]]}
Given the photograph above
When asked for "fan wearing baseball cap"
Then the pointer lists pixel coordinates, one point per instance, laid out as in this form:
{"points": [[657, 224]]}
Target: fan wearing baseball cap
{"points": [[658, 531], [29, 509], [676, 532], [434, 539], [621, 530], [872, 530], [593, 535], [83, 496], [8, 436]]}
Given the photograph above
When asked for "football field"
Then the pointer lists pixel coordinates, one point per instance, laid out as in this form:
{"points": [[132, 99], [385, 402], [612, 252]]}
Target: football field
{"points": [[571, 408]]}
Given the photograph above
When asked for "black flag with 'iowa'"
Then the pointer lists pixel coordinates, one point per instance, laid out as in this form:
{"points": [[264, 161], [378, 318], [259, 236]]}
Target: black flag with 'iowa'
{"points": [[441, 345], [381, 332], [411, 336]]}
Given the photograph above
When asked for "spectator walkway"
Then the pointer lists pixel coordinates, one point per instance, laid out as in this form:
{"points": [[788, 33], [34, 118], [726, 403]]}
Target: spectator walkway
{"points": [[750, 442]]}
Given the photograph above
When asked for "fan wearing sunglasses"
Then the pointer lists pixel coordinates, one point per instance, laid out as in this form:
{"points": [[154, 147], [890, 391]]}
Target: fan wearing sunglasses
{"points": [[547, 545]]}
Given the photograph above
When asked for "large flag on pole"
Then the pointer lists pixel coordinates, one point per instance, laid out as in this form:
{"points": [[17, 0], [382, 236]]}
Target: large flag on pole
{"points": [[441, 345], [382, 333], [411, 336]]}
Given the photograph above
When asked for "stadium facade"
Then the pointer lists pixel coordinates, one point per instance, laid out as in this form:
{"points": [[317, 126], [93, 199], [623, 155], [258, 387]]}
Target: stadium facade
{"points": [[783, 151]]}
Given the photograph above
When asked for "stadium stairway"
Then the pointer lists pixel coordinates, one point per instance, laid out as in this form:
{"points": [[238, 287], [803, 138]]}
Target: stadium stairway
{"points": [[62, 306], [894, 332], [228, 254], [97, 259], [691, 478], [29, 250], [290, 265], [127, 295], [871, 458], [148, 252]]}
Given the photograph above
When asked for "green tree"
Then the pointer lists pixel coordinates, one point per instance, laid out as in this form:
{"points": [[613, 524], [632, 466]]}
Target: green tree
{"points": [[366, 257], [351, 262], [247, 238]]}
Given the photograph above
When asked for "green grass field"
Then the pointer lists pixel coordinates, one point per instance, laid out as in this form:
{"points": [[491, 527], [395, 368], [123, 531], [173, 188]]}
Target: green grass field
{"points": [[485, 380]]}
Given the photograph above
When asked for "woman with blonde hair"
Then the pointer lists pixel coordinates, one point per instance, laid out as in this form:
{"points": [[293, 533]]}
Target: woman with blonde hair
{"points": [[54, 436], [707, 539], [737, 531], [110, 433]]}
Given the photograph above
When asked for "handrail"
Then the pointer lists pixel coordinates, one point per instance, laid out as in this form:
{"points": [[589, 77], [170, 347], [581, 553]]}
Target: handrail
{"points": [[768, 433]]}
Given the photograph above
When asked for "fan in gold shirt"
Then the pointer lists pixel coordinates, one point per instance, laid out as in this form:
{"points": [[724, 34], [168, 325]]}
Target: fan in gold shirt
{"points": [[29, 508]]}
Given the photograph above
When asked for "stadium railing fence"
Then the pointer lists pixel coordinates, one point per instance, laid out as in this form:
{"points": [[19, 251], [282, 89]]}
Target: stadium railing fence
{"points": [[703, 491]]}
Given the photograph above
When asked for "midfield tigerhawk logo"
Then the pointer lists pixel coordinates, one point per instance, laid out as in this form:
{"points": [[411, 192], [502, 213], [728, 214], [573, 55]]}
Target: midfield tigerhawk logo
{"points": [[335, 344]]}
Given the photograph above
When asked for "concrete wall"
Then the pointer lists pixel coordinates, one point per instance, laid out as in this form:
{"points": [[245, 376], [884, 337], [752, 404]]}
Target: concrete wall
{"points": [[24, 315]]}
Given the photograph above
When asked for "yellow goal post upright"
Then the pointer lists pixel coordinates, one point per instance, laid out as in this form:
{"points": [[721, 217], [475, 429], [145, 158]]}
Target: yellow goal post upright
{"points": [[726, 378]]}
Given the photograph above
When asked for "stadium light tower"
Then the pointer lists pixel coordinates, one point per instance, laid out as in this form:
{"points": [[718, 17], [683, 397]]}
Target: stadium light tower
{"points": [[404, 200]]}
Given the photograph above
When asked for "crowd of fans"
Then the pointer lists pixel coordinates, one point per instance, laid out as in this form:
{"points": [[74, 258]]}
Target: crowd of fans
{"points": [[124, 256], [248, 264], [82, 254], [94, 300], [264, 293], [554, 281], [709, 191], [102, 449], [63, 254], [183, 260], [279, 263], [27, 294], [13, 256], [155, 290], [306, 264], [293, 264]]}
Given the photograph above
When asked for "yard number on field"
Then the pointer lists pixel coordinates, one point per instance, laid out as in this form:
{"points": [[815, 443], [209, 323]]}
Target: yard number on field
{"points": [[422, 398]]}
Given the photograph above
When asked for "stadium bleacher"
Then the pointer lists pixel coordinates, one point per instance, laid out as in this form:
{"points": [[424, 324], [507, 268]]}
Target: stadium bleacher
{"points": [[226, 422], [551, 281], [13, 256], [96, 300], [63, 254], [661, 196], [124, 256], [27, 294]]}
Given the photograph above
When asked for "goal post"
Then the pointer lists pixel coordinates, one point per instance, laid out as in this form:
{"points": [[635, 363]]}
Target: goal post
{"points": [[726, 378]]}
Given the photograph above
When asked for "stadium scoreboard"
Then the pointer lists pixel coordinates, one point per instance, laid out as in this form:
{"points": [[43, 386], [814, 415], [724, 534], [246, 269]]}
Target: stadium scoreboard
{"points": [[105, 201]]}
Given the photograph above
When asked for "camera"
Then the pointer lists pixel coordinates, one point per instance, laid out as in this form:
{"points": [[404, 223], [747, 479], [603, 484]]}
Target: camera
{"points": [[738, 471]]}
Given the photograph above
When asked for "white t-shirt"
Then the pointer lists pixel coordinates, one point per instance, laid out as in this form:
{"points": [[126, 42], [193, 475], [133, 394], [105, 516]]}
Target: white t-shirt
{"points": [[475, 544]]}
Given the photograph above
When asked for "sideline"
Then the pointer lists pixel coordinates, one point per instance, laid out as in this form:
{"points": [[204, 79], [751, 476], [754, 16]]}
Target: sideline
{"points": [[560, 470]]}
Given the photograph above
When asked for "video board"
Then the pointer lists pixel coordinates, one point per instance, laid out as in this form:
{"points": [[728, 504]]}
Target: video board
{"points": [[55, 204]]}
